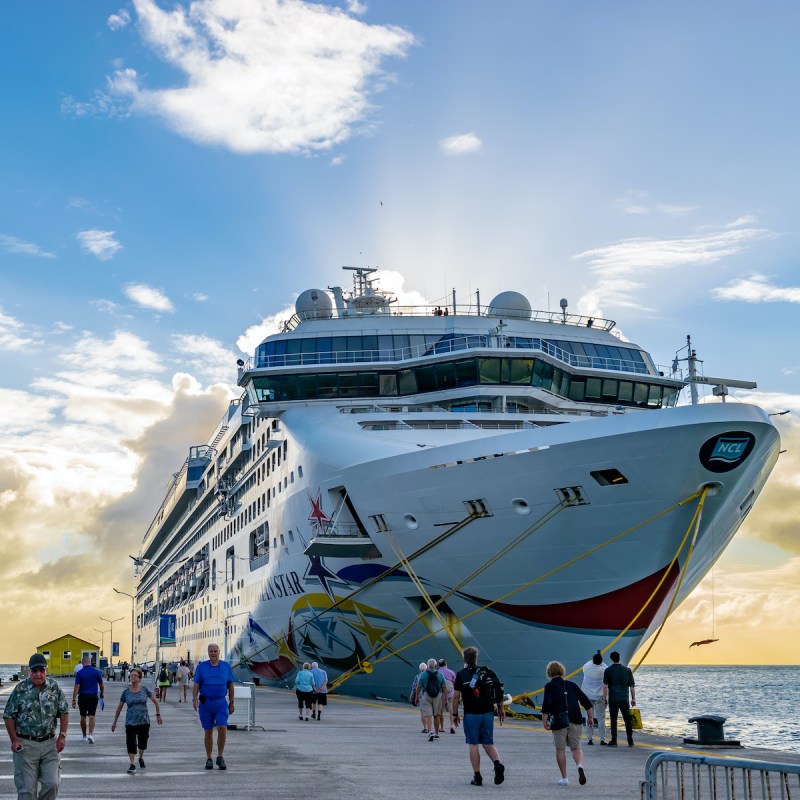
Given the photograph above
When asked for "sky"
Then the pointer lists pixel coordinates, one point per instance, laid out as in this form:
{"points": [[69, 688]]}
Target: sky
{"points": [[173, 175]]}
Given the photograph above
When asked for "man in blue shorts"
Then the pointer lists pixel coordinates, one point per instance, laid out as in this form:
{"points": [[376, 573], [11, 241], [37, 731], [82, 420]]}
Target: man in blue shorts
{"points": [[88, 691], [212, 698], [478, 716]]}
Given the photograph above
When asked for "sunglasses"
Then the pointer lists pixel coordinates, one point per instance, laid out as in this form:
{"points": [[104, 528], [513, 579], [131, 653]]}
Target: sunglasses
{"points": [[38, 669]]}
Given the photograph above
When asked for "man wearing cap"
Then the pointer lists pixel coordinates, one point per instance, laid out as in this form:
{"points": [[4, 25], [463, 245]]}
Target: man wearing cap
{"points": [[31, 713]]}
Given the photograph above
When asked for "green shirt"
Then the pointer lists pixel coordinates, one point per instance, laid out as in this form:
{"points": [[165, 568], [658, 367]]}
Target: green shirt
{"points": [[35, 711]]}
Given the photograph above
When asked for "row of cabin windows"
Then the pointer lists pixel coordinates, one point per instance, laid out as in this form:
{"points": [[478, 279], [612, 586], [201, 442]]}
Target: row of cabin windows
{"points": [[459, 374], [396, 347]]}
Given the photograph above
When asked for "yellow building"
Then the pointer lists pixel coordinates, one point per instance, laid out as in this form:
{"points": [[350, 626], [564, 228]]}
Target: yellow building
{"points": [[66, 652]]}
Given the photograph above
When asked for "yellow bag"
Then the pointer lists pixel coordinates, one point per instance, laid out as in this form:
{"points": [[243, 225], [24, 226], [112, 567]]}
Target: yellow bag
{"points": [[636, 719]]}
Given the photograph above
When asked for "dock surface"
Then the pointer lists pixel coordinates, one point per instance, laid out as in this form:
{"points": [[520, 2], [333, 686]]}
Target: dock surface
{"points": [[360, 749]]}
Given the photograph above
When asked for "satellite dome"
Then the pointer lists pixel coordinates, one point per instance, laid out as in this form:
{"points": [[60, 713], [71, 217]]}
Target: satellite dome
{"points": [[510, 304], [314, 304]]}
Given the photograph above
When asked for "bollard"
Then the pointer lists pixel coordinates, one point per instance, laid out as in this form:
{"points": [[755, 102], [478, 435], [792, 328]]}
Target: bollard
{"points": [[710, 731]]}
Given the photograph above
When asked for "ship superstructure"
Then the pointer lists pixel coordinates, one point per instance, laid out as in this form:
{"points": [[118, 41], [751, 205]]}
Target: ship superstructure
{"points": [[397, 482]]}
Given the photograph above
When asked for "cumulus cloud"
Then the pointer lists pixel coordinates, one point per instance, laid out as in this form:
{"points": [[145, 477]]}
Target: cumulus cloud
{"points": [[620, 266], [13, 333], [119, 20], [757, 289], [206, 357], [148, 297], [199, 297], [256, 334], [18, 247], [460, 145], [99, 243], [264, 76]]}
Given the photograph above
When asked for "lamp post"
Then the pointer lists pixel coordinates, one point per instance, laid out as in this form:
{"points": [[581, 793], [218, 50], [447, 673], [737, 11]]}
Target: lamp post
{"points": [[133, 611], [111, 623], [138, 563], [102, 640]]}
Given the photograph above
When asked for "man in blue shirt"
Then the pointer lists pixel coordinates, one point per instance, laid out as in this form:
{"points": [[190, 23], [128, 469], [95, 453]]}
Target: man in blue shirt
{"points": [[88, 691], [212, 698]]}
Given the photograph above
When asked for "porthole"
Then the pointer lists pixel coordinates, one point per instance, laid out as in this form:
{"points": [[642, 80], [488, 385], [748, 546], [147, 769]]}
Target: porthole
{"points": [[521, 506], [411, 522]]}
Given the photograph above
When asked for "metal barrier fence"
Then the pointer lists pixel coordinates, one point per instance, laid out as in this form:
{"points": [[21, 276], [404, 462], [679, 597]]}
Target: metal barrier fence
{"points": [[679, 776]]}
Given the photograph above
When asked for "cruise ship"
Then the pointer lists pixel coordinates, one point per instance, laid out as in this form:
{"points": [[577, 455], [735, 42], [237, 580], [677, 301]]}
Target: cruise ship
{"points": [[395, 483]]}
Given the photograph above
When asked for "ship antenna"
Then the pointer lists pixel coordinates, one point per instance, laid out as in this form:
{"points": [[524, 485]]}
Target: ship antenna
{"points": [[692, 361]]}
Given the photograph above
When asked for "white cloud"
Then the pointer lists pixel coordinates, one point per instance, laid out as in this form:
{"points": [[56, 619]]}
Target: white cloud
{"points": [[148, 297], [638, 202], [13, 334], [256, 334], [119, 20], [18, 247], [356, 7], [199, 297], [620, 266], [108, 307], [207, 357], [337, 161], [99, 243], [266, 76], [460, 145], [757, 289]]}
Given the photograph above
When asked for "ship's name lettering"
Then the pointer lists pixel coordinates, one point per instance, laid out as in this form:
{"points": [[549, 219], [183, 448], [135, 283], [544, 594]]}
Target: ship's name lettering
{"points": [[281, 585]]}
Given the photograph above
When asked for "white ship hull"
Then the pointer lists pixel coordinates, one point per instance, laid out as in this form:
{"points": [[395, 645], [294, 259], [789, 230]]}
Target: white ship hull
{"points": [[589, 589]]}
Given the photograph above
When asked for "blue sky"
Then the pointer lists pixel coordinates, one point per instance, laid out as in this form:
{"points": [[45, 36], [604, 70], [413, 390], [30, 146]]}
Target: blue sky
{"points": [[173, 177]]}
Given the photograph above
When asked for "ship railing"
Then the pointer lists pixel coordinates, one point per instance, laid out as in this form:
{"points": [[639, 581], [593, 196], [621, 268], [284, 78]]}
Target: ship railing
{"points": [[444, 347], [680, 776], [470, 310], [337, 530]]}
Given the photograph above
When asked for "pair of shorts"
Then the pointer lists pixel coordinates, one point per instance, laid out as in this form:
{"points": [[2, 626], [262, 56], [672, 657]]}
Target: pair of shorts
{"points": [[479, 728], [568, 737], [213, 712], [431, 706], [304, 699], [87, 704], [321, 698]]}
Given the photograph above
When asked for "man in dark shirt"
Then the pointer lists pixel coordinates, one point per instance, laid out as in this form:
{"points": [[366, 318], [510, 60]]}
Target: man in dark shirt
{"points": [[617, 682], [478, 718]]}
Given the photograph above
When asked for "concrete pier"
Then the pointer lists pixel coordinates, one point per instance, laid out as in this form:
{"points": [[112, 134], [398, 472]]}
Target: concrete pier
{"points": [[360, 749]]}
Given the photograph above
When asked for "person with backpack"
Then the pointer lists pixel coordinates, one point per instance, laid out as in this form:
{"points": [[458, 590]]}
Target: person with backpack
{"points": [[162, 683], [561, 714], [432, 698], [482, 693]]}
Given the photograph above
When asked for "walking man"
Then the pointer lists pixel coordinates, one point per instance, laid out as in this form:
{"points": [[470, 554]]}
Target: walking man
{"points": [[432, 698], [88, 691], [593, 671], [449, 679], [320, 690], [212, 698], [33, 709], [617, 682], [470, 685]]}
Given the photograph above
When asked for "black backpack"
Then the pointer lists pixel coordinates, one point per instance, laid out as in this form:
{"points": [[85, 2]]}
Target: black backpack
{"points": [[488, 687], [432, 684], [162, 676]]}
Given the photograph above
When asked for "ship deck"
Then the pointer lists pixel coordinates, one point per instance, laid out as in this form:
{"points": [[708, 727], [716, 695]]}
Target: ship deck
{"points": [[359, 749]]}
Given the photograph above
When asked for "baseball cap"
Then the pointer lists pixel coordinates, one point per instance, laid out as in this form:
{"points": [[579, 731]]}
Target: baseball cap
{"points": [[37, 660]]}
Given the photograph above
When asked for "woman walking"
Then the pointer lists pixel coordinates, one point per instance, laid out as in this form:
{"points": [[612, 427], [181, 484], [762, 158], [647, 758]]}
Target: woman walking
{"points": [[304, 686], [162, 683], [137, 720]]}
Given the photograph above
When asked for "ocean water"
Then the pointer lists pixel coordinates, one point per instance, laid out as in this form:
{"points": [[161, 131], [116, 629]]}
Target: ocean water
{"points": [[758, 702]]}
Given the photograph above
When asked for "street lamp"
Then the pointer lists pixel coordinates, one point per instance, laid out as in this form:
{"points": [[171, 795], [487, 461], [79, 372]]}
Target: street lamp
{"points": [[102, 640], [133, 601], [138, 562], [111, 623]]}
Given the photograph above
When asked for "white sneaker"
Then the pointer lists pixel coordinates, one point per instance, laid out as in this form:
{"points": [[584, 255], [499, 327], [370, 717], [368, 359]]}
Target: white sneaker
{"points": [[83, 739], [564, 782], [90, 739]]}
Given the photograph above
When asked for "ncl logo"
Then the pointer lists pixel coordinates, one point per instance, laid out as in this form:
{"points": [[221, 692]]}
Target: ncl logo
{"points": [[729, 450]]}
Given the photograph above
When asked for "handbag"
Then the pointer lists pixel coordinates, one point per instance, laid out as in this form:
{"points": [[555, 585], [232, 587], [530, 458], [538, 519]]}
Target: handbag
{"points": [[560, 719]]}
